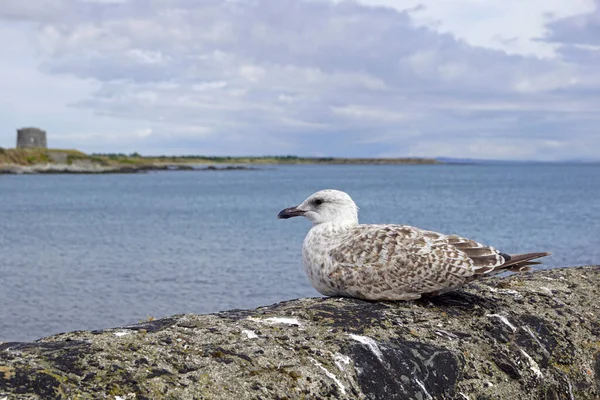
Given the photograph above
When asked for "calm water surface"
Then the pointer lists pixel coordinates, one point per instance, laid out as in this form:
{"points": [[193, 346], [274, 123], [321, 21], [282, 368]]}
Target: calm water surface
{"points": [[89, 252]]}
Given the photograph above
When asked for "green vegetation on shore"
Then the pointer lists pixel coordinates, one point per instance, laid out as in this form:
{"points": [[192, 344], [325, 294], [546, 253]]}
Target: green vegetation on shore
{"points": [[199, 159], [39, 156], [44, 156]]}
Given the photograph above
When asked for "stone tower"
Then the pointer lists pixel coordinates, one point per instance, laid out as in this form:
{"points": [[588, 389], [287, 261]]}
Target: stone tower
{"points": [[30, 138]]}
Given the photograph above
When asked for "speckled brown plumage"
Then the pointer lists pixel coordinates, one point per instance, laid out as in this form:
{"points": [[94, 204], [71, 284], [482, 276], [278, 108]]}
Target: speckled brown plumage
{"points": [[389, 262]]}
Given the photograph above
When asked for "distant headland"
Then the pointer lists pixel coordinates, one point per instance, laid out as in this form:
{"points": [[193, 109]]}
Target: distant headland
{"points": [[32, 156], [43, 160]]}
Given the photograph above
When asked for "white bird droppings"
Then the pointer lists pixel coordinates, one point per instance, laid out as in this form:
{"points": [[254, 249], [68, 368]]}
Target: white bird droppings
{"points": [[330, 375], [126, 397], [423, 388], [341, 361], [283, 320], [506, 291], [277, 320], [250, 334], [545, 291], [534, 337], [532, 364], [122, 333], [504, 320], [446, 334], [370, 343]]}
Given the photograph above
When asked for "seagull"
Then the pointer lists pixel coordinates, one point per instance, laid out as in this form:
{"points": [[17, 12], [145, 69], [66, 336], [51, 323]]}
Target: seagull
{"points": [[389, 262]]}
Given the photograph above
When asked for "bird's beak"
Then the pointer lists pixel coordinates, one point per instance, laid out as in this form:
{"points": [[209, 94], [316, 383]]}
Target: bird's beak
{"points": [[290, 212]]}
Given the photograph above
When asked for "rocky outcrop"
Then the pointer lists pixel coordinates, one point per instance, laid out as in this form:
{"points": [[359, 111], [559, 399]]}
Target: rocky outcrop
{"points": [[531, 336]]}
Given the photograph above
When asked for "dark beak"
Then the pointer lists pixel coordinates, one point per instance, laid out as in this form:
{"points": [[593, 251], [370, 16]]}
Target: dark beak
{"points": [[290, 212]]}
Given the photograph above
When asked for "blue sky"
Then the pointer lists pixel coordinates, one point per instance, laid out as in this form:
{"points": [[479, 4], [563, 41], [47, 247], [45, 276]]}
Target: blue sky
{"points": [[370, 78]]}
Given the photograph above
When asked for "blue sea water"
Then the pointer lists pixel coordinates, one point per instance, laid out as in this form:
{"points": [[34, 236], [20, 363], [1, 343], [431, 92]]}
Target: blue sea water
{"points": [[96, 251]]}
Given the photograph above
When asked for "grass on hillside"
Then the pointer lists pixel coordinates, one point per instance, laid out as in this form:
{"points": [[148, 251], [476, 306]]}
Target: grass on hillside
{"points": [[35, 156], [197, 159], [44, 156]]}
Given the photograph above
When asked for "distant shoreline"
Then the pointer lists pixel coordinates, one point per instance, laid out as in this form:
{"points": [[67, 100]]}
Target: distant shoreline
{"points": [[279, 160], [57, 161], [94, 169]]}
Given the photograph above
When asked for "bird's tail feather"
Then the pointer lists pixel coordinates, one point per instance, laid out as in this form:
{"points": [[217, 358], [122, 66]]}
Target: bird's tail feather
{"points": [[515, 259], [520, 262], [512, 263]]}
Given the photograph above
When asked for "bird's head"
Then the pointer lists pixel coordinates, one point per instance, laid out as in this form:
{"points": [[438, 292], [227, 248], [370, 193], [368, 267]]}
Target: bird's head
{"points": [[325, 206]]}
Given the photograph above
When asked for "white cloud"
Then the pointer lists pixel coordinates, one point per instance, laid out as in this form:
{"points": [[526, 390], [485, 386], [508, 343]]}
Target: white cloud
{"points": [[361, 112], [510, 25], [509, 149], [257, 76], [39, 10]]}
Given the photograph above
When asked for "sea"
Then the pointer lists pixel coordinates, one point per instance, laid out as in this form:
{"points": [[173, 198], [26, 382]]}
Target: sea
{"points": [[84, 252]]}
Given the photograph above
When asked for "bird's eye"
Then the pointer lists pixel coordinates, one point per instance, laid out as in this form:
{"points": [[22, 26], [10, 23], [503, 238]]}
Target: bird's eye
{"points": [[318, 202]]}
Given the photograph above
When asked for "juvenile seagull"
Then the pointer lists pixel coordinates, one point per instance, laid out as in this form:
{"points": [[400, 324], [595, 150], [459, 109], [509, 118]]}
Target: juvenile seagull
{"points": [[389, 262]]}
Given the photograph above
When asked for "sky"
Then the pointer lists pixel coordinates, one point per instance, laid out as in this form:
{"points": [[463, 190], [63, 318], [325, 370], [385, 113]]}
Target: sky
{"points": [[511, 79]]}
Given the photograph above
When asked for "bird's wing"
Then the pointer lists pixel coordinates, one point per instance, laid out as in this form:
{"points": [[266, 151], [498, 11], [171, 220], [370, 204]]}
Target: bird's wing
{"points": [[409, 258]]}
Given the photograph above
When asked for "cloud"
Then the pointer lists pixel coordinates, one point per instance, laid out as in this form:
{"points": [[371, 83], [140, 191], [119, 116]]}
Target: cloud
{"points": [[39, 10], [308, 77], [578, 40], [513, 26], [580, 29]]}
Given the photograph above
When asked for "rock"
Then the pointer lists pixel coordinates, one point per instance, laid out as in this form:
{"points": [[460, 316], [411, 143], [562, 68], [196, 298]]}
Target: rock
{"points": [[528, 336], [228, 168]]}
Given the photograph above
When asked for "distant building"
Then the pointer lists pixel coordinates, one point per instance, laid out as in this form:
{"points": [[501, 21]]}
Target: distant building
{"points": [[30, 138]]}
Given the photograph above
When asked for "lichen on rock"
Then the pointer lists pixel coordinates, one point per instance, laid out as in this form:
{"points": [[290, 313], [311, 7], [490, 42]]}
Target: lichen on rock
{"points": [[527, 336]]}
